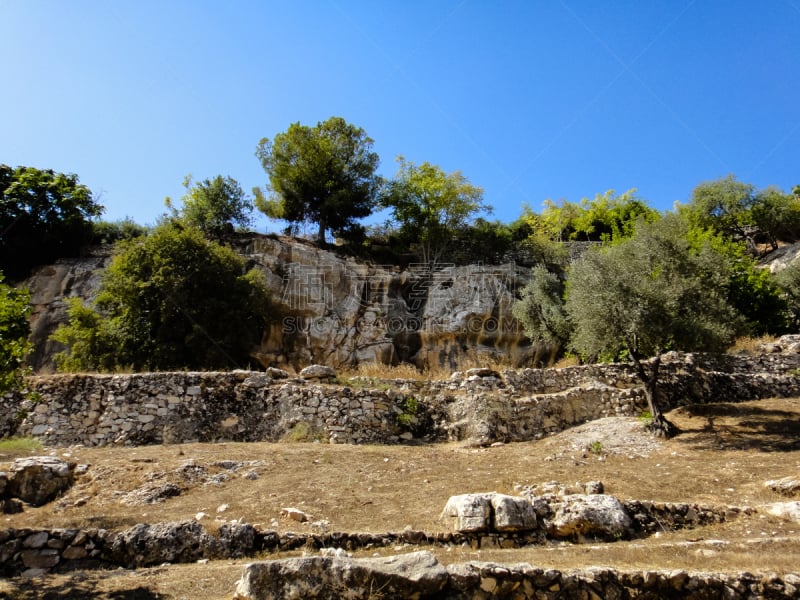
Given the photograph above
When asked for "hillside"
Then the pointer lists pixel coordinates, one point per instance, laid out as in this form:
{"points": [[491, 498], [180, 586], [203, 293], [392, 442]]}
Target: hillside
{"points": [[724, 457]]}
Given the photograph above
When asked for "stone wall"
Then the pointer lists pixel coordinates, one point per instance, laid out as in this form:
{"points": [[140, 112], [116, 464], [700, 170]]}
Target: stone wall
{"points": [[481, 405]]}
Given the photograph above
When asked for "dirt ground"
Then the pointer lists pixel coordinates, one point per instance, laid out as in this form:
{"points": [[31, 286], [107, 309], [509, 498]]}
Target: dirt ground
{"points": [[724, 455]]}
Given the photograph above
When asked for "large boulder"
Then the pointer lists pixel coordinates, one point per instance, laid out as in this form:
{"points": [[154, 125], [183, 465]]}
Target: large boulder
{"points": [[39, 479], [414, 575], [595, 515], [468, 512], [318, 372], [144, 545], [512, 513]]}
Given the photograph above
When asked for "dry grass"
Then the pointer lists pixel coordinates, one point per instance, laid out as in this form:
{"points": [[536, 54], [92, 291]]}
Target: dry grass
{"points": [[750, 345], [724, 456]]}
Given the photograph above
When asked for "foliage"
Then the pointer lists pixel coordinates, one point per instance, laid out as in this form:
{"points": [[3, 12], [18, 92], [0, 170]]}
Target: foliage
{"points": [[788, 280], [14, 331], [323, 174], [607, 217], [44, 215], [108, 232], [541, 310], [20, 446], [740, 212], [171, 300], [431, 205], [751, 290], [647, 295], [214, 206]]}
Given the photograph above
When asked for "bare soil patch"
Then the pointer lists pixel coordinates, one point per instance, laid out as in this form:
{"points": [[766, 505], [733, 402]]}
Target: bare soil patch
{"points": [[724, 455]]}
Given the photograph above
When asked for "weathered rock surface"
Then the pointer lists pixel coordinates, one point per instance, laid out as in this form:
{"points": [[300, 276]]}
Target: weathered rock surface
{"points": [[414, 575], [788, 486], [512, 513], [785, 510], [318, 372], [143, 545], [39, 479], [589, 515], [468, 512]]}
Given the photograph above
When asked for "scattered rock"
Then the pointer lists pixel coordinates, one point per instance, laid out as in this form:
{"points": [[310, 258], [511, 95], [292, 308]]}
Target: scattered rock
{"points": [[294, 514], [318, 372], [784, 510], [482, 372], [595, 487], [150, 494], [787, 486], [414, 575], [39, 479]]}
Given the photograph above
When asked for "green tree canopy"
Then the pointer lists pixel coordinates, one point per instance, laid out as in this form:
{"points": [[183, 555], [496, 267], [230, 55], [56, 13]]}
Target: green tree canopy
{"points": [[14, 331], [170, 300], [214, 206], [323, 174], [744, 214], [431, 205], [44, 215], [648, 295], [606, 217]]}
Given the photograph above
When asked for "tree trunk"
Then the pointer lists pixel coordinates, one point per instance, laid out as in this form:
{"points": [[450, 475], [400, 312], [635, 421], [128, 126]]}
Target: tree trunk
{"points": [[321, 233], [660, 426]]}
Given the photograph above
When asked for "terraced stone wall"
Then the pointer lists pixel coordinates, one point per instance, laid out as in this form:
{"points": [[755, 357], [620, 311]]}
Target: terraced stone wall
{"points": [[481, 405]]}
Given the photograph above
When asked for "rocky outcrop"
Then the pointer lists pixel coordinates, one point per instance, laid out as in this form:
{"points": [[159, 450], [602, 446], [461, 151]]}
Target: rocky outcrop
{"points": [[335, 310], [37, 480]]}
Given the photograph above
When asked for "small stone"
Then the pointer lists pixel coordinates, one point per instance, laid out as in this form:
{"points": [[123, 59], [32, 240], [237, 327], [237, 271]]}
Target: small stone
{"points": [[294, 514]]}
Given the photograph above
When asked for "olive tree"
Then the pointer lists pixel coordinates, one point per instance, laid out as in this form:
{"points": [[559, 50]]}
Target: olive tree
{"points": [[541, 310], [648, 295]]}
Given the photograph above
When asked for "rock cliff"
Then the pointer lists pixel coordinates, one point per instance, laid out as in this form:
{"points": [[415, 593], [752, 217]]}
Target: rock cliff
{"points": [[336, 310]]}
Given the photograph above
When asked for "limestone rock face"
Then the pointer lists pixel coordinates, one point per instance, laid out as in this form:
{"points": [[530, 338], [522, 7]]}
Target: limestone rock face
{"points": [[334, 310], [39, 479], [414, 575], [590, 515]]}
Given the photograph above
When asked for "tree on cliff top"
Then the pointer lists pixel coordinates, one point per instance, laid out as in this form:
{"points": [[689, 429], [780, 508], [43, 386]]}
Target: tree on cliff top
{"points": [[214, 206], [44, 215], [323, 174], [432, 205], [648, 295], [170, 300]]}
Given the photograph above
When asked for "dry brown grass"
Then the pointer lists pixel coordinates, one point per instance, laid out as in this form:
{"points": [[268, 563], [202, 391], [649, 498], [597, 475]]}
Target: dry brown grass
{"points": [[723, 456], [750, 345]]}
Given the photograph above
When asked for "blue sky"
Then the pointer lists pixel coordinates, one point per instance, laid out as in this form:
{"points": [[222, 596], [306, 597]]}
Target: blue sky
{"points": [[530, 100]]}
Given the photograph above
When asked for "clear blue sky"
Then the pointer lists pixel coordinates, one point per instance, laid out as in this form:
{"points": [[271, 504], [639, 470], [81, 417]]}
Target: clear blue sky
{"points": [[530, 99]]}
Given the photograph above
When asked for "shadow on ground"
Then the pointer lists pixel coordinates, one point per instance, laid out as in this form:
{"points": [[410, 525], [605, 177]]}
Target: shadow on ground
{"points": [[738, 427]]}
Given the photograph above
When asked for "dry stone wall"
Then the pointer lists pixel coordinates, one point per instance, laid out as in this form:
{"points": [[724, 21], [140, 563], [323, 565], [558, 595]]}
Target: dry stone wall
{"points": [[483, 406]]}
